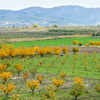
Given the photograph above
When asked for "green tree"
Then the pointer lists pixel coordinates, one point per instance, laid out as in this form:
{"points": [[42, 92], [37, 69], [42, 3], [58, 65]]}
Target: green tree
{"points": [[55, 25]]}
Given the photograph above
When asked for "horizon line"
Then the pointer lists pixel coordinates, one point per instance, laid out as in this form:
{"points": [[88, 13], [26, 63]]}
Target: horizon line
{"points": [[48, 7]]}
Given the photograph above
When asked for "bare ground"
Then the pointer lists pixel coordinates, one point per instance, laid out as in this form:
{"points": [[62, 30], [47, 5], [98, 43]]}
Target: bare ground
{"points": [[83, 49]]}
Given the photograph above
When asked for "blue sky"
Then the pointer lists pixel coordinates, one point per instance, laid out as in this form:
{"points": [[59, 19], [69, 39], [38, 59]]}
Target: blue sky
{"points": [[20, 4]]}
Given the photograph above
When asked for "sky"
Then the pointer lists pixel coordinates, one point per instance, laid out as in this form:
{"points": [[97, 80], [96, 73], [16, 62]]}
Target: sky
{"points": [[21, 4]]}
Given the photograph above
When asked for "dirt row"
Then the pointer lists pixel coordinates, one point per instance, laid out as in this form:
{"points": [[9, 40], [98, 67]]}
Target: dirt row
{"points": [[83, 49]]}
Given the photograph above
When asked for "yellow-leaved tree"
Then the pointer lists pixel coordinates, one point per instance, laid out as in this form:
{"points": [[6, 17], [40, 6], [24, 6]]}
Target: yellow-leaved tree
{"points": [[5, 76], [7, 89], [32, 85], [78, 87]]}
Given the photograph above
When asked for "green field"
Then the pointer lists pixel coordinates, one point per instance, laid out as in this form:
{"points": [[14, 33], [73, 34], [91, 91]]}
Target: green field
{"points": [[55, 42], [52, 66], [57, 67]]}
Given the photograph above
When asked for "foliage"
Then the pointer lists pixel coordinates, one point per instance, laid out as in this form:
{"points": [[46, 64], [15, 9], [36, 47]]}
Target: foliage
{"points": [[65, 49], [39, 78], [5, 76], [7, 89], [97, 87], [32, 85], [58, 82], [35, 25], [25, 75], [33, 71], [22, 51], [50, 93], [55, 25], [63, 75], [3, 54], [31, 51], [16, 97], [57, 50], [92, 43], [78, 87], [75, 42], [19, 67], [86, 44], [42, 51], [75, 49], [2, 68], [80, 43]]}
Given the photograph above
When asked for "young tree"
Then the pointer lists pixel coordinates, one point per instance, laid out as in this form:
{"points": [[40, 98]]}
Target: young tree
{"points": [[55, 25], [35, 25]]}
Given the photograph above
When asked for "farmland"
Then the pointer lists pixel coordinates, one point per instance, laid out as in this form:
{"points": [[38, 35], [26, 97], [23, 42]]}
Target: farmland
{"points": [[27, 61]]}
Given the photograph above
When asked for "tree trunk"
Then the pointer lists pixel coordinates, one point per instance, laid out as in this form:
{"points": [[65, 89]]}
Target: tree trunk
{"points": [[18, 73], [33, 91], [75, 97]]}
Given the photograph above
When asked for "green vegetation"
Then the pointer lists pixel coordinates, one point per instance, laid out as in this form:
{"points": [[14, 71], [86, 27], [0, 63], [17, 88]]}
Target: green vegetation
{"points": [[31, 33], [65, 41], [57, 67]]}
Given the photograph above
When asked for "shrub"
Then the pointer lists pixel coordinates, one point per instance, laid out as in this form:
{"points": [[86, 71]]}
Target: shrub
{"points": [[86, 44], [19, 67], [31, 51], [97, 87], [7, 89], [16, 97], [80, 43], [5, 76], [57, 83], [25, 75], [92, 43], [12, 51], [63, 75], [22, 51], [33, 71], [3, 54], [65, 49], [75, 49], [78, 87], [32, 85], [42, 51], [2, 68], [57, 50], [39, 78], [75, 42], [49, 50]]}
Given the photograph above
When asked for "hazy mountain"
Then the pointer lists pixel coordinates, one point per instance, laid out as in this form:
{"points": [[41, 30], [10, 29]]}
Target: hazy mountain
{"points": [[62, 15]]}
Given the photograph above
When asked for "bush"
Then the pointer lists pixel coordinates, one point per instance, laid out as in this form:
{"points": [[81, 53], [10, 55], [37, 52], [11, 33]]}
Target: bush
{"points": [[80, 43], [75, 42], [75, 49]]}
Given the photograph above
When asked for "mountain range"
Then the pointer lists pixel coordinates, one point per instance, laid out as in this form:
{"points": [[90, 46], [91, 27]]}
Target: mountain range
{"points": [[62, 15]]}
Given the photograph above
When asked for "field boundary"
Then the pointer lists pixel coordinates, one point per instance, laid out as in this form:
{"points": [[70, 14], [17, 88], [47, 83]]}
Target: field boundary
{"points": [[38, 39]]}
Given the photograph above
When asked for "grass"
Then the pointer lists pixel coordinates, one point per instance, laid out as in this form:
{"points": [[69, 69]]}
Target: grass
{"points": [[48, 72], [56, 42]]}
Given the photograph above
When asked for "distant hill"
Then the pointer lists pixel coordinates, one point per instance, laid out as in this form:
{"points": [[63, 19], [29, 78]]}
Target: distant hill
{"points": [[62, 15]]}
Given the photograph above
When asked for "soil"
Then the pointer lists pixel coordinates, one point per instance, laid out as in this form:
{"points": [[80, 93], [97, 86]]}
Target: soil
{"points": [[83, 49]]}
